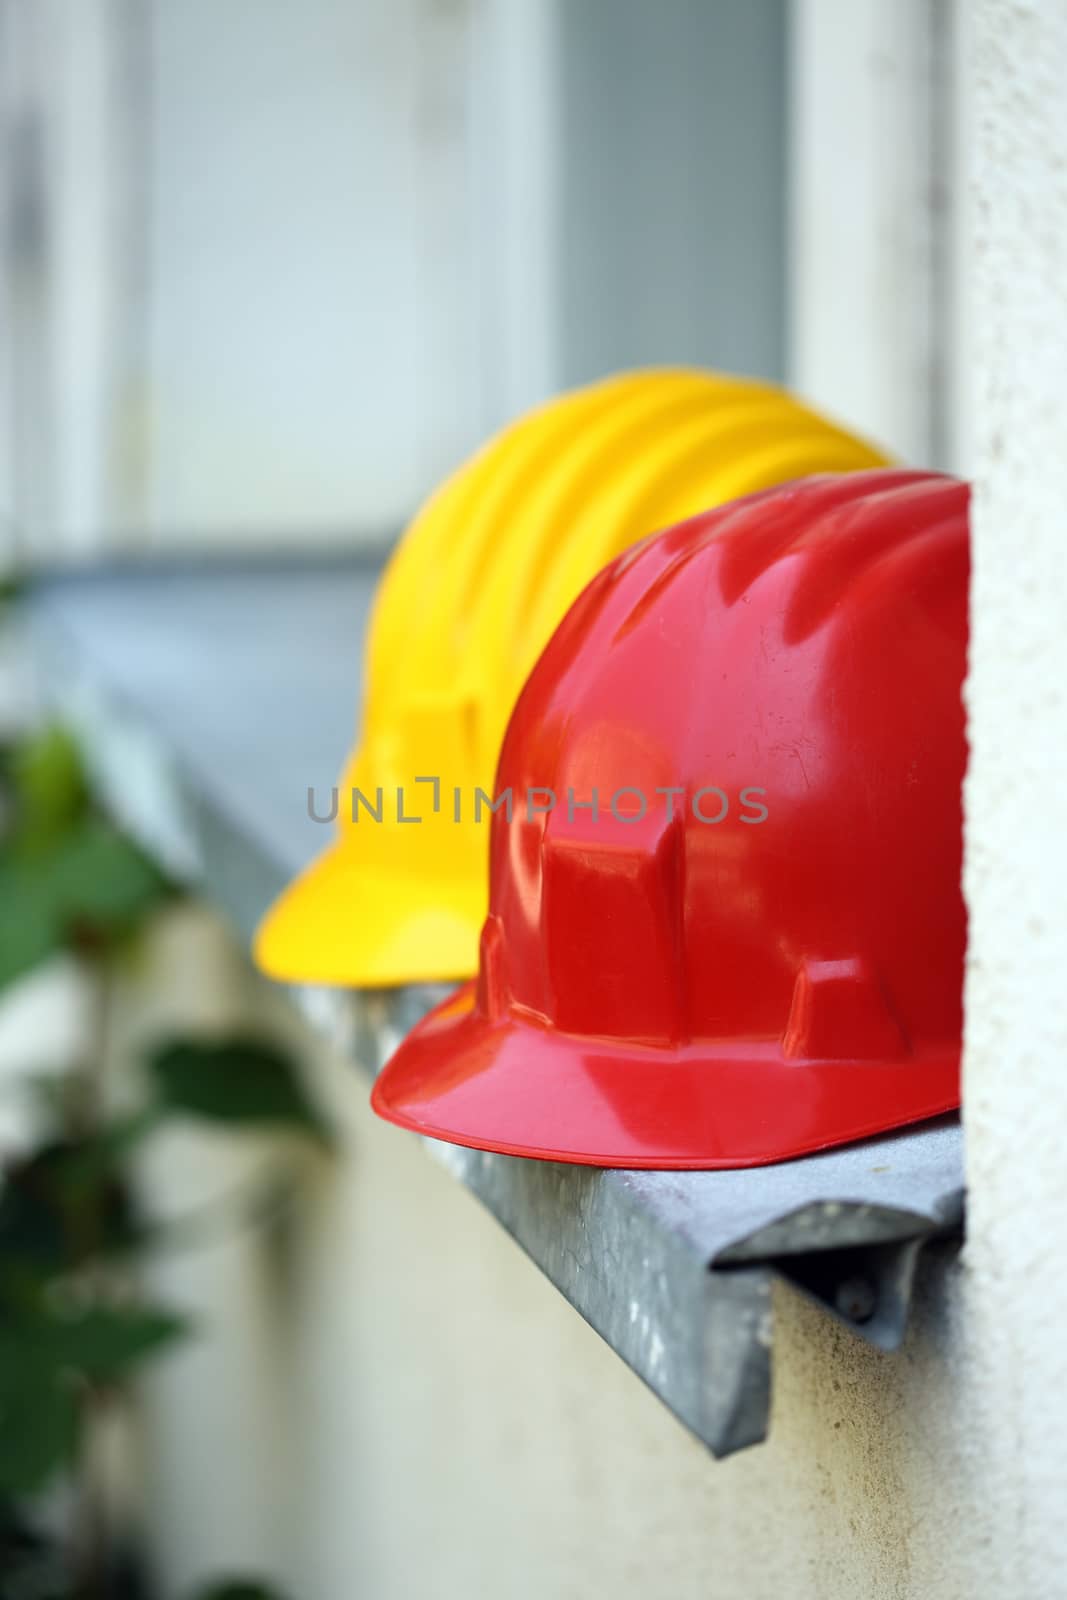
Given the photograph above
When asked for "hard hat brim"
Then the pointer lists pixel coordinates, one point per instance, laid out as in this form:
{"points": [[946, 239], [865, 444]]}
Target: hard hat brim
{"points": [[344, 923], [523, 1089]]}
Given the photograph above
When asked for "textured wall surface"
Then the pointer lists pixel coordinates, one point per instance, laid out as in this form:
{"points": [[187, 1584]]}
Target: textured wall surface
{"points": [[866, 340], [1015, 1086]]}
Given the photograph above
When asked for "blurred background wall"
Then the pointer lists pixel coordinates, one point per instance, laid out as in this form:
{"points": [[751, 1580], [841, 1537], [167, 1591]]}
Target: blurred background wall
{"points": [[269, 270]]}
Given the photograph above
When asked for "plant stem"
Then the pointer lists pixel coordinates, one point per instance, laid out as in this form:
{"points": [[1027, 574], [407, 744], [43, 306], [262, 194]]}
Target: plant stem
{"points": [[91, 1532]]}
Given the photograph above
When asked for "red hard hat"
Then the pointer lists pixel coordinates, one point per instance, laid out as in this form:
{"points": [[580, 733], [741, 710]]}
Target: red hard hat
{"points": [[769, 960]]}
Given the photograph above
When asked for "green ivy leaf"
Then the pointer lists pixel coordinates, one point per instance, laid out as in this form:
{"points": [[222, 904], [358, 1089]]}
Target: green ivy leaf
{"points": [[234, 1080], [49, 786], [103, 1344], [33, 1241], [30, 932], [101, 884], [66, 1205], [39, 1413], [47, 1362], [88, 889]]}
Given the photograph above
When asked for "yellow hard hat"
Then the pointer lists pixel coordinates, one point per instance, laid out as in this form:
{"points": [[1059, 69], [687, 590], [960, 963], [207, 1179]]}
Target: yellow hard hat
{"points": [[465, 606]]}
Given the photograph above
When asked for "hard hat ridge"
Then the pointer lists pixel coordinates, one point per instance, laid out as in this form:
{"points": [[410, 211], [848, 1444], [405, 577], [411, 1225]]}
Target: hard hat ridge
{"points": [[686, 986], [469, 599]]}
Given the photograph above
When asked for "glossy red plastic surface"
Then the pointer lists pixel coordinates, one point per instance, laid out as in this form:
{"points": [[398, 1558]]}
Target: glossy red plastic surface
{"points": [[663, 991]]}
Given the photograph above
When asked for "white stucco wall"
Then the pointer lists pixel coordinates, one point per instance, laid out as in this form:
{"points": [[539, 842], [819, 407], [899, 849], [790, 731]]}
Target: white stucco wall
{"points": [[868, 194], [1016, 1087]]}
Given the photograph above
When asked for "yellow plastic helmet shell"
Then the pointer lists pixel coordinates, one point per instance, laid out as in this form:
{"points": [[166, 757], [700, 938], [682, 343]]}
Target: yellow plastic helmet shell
{"points": [[471, 596]]}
